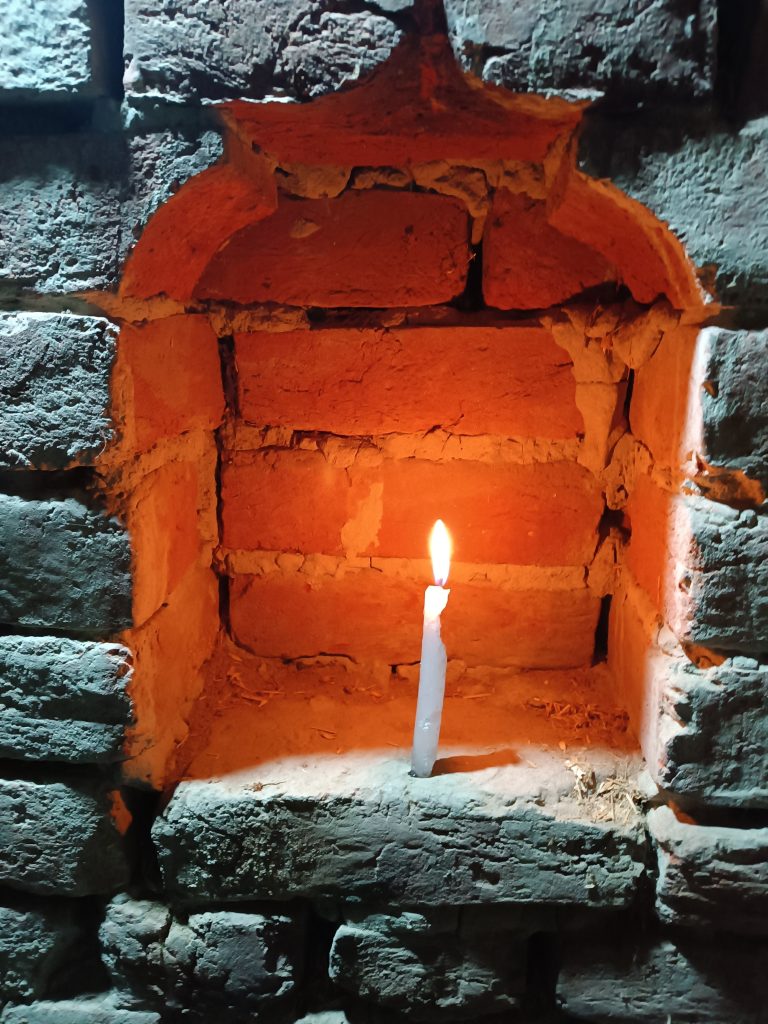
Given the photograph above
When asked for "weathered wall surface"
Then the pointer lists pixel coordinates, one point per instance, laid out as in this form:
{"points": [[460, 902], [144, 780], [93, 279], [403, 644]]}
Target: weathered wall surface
{"points": [[679, 125]]}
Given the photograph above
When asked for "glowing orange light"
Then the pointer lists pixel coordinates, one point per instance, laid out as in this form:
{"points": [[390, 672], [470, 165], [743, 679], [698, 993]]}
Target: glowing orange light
{"points": [[440, 550]]}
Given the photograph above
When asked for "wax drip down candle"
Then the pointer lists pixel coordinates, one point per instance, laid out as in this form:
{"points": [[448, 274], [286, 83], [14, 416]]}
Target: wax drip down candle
{"points": [[429, 705]]}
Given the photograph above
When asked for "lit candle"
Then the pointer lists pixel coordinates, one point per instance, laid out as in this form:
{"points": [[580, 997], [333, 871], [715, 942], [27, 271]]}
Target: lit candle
{"points": [[429, 706]]}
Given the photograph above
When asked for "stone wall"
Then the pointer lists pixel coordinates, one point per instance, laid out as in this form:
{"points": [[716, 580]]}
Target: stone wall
{"points": [[541, 917]]}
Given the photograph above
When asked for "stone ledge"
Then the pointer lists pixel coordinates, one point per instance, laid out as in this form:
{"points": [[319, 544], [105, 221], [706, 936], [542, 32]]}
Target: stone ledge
{"points": [[63, 700], [358, 827]]}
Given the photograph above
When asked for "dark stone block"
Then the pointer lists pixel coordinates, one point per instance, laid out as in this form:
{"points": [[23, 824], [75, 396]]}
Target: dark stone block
{"points": [[59, 838], [710, 876], [54, 382], [707, 182], [655, 981], [37, 937], [734, 401], [629, 52], [239, 963], [63, 565], [74, 204], [49, 50], [63, 700], [203, 50], [713, 730], [420, 963]]}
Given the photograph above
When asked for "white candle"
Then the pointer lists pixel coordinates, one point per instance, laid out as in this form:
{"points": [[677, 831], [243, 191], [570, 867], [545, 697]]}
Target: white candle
{"points": [[429, 706]]}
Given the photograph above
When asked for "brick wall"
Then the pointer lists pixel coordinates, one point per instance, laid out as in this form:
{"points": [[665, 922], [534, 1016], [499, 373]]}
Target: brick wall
{"points": [[168, 403]]}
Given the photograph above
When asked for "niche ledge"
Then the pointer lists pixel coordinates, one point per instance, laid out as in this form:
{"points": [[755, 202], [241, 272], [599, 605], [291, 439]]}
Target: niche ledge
{"points": [[521, 819]]}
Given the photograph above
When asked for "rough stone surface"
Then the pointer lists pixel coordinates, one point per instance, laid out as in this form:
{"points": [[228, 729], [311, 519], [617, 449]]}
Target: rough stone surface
{"points": [[628, 51], [734, 401], [727, 577], [89, 1010], [708, 184], [403, 840], [54, 383], [58, 837], [709, 875], [63, 700], [424, 964], [663, 980], [64, 565], [371, 248], [36, 939], [322, 54], [72, 204], [202, 50], [241, 962], [47, 51], [713, 731]]}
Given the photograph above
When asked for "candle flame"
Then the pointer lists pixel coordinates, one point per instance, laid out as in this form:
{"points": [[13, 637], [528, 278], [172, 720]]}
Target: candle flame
{"points": [[440, 549]]}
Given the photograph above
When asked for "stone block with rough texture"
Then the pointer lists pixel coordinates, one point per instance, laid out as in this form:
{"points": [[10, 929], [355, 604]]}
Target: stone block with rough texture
{"points": [[663, 980], [63, 565], [707, 183], [704, 564], [59, 838], [242, 963], [734, 400], [662, 48], [713, 730], [54, 383], [63, 700], [49, 51], [395, 839], [203, 50], [37, 937], [72, 205], [710, 876], [726, 577], [87, 1010], [422, 963]]}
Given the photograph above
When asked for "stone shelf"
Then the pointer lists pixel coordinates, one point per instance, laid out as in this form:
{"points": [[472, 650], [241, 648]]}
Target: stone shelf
{"points": [[304, 791]]}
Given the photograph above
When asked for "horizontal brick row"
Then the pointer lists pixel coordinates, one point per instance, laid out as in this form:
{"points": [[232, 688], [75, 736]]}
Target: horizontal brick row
{"points": [[543, 513], [369, 616], [514, 382]]}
